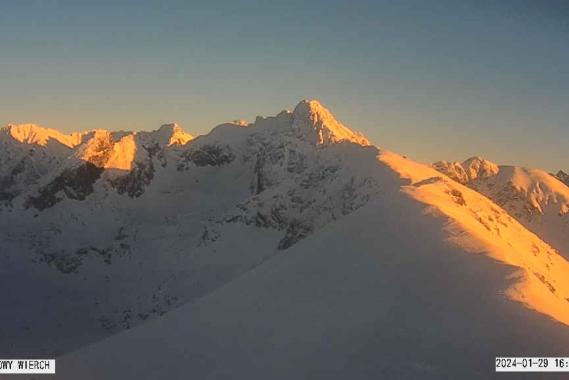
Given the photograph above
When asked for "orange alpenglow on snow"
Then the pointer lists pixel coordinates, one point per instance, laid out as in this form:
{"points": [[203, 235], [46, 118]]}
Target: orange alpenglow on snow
{"points": [[172, 134], [309, 116], [537, 199], [103, 148], [34, 134], [123, 155], [478, 225]]}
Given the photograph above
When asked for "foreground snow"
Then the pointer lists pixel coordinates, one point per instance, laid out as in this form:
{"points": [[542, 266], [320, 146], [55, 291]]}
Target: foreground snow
{"points": [[378, 294]]}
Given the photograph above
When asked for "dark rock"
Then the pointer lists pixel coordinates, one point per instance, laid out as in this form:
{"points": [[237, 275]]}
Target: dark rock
{"points": [[209, 155], [74, 183], [295, 232], [136, 180]]}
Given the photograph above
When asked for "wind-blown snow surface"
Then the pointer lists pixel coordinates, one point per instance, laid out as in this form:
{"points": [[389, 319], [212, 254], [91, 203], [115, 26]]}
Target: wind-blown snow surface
{"points": [[293, 249], [537, 199]]}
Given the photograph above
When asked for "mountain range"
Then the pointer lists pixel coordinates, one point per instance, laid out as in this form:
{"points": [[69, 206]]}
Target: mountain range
{"points": [[289, 247], [534, 197]]}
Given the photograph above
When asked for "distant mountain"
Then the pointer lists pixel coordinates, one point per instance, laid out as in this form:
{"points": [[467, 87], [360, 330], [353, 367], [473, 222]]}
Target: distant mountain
{"points": [[291, 247], [40, 166], [535, 198]]}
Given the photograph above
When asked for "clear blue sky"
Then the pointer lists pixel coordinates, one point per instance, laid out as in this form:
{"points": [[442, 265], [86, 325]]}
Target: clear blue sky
{"points": [[430, 79]]}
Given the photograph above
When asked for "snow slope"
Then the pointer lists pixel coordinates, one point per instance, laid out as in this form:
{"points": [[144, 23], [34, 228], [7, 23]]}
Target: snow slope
{"points": [[405, 287], [534, 197]]}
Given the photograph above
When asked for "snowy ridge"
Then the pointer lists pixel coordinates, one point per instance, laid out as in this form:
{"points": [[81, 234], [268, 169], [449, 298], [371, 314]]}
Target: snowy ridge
{"points": [[34, 167], [34, 134], [469, 170], [492, 229], [532, 196]]}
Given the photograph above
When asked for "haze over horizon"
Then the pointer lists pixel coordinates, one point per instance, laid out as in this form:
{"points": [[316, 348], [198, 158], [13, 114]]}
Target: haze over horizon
{"points": [[497, 86]]}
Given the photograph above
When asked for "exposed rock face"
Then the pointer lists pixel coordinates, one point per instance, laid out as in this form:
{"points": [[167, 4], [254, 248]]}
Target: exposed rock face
{"points": [[209, 155], [136, 180], [22, 174], [563, 177], [74, 184]]}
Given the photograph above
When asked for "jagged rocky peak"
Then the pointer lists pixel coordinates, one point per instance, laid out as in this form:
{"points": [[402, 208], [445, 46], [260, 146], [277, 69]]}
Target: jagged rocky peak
{"points": [[315, 122], [96, 148], [172, 134], [37, 135], [563, 177], [469, 170], [478, 167]]}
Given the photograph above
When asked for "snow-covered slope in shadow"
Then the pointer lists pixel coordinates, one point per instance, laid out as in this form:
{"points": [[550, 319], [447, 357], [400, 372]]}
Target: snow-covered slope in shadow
{"points": [[422, 282], [125, 226]]}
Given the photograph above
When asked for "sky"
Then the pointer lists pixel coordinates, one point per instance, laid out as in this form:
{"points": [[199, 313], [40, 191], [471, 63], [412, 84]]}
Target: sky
{"points": [[429, 79]]}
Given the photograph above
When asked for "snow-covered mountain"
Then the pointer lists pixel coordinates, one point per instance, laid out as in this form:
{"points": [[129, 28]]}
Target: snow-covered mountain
{"points": [[133, 219], [534, 197], [40, 166], [291, 247]]}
